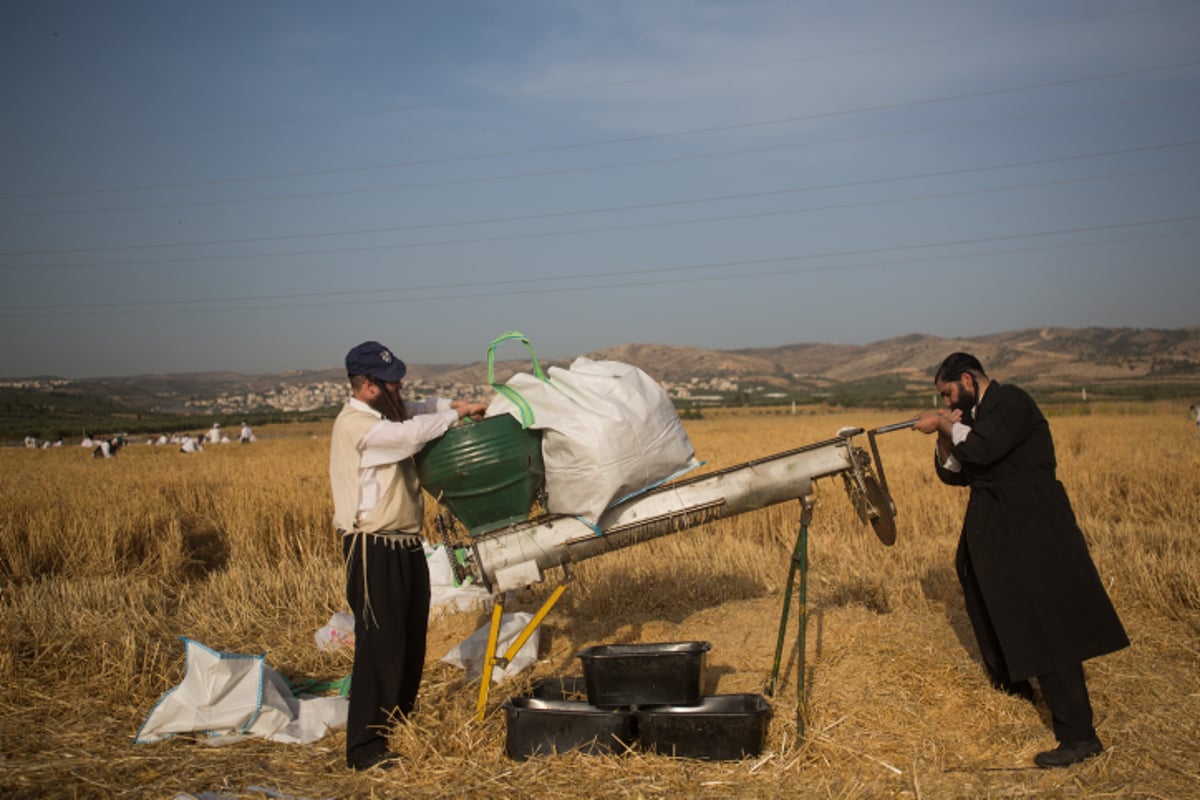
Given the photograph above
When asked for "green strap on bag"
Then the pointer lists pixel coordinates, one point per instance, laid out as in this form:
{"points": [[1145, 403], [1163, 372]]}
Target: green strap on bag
{"points": [[313, 686], [512, 394]]}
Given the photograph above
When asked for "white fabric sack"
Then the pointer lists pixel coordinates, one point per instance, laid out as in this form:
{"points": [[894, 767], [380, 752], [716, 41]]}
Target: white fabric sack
{"points": [[609, 431], [234, 696], [469, 654]]}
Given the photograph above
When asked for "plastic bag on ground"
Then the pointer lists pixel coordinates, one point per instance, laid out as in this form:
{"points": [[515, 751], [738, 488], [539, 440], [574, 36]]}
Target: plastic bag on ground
{"points": [[337, 633]]}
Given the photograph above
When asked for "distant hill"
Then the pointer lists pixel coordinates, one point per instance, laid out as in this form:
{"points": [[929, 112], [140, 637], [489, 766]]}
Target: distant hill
{"points": [[1046, 357], [1114, 362]]}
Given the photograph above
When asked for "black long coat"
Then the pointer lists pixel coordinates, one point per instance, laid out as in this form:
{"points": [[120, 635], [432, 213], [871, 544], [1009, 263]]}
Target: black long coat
{"points": [[1036, 578]]}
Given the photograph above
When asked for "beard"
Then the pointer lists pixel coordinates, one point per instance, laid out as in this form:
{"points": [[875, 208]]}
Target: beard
{"points": [[392, 408], [967, 400]]}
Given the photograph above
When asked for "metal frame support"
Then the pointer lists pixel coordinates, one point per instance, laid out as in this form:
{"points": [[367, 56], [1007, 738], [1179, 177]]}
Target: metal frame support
{"points": [[490, 660], [799, 564]]}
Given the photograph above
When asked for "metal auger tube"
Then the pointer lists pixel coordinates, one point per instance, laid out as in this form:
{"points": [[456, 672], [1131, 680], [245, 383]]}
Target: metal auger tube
{"points": [[515, 557]]}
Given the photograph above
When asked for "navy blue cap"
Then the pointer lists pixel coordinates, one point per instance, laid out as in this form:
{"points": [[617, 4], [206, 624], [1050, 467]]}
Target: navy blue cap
{"points": [[375, 361]]}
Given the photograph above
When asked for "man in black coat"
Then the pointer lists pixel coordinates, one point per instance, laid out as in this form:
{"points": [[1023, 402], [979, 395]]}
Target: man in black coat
{"points": [[1032, 592]]}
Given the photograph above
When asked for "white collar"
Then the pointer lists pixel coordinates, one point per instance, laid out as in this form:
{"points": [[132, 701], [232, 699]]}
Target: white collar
{"points": [[354, 402]]}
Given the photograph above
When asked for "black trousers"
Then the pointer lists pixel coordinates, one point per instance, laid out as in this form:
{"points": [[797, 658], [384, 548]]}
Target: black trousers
{"points": [[1064, 689], [387, 586]]}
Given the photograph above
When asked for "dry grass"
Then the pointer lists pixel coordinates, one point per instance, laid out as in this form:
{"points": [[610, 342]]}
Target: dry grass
{"points": [[106, 563]]}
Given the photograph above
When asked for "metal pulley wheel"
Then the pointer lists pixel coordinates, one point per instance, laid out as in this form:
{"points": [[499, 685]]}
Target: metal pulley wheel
{"points": [[872, 505], [879, 511]]}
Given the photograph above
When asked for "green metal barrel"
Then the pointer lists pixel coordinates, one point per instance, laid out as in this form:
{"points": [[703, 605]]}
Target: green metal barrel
{"points": [[487, 473]]}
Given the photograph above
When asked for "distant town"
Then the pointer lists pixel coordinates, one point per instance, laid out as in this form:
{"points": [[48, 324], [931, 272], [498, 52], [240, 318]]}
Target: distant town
{"points": [[326, 394], [314, 396]]}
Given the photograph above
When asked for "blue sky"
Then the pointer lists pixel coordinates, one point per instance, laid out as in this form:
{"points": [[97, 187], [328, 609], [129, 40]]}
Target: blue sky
{"points": [[258, 186]]}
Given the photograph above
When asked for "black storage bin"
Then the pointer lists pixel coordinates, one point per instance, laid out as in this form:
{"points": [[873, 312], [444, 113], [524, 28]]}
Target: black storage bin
{"points": [[568, 687], [721, 728], [668, 673], [547, 726]]}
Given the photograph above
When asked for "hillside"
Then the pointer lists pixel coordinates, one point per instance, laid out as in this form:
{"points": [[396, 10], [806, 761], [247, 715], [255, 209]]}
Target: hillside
{"points": [[1052, 362], [1047, 357]]}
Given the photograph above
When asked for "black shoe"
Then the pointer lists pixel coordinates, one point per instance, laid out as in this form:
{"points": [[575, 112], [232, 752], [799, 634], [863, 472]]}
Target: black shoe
{"points": [[385, 760], [1067, 754]]}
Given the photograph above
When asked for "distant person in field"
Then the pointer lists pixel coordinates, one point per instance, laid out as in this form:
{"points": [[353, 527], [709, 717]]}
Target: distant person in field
{"points": [[245, 436], [1032, 592], [108, 447], [378, 512], [1195, 410], [188, 444]]}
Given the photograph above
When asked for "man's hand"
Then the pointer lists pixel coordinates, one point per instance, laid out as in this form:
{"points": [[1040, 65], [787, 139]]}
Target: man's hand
{"points": [[940, 421], [928, 421], [469, 409]]}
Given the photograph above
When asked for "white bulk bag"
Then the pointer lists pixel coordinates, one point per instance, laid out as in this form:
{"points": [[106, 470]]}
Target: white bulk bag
{"points": [[609, 430], [230, 696]]}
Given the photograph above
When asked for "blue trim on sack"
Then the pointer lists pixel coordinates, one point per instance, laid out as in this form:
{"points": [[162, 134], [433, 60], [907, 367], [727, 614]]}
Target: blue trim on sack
{"points": [[187, 666], [657, 484], [258, 700], [596, 527]]}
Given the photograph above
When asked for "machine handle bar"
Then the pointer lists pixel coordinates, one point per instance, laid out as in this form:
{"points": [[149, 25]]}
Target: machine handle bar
{"points": [[895, 426]]}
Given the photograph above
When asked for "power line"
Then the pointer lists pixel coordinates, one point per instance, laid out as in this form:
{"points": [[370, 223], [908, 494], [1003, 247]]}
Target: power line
{"points": [[614, 165], [491, 289], [614, 228], [625, 139], [610, 209]]}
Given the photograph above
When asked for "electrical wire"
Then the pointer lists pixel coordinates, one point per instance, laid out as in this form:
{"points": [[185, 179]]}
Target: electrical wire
{"points": [[679, 202], [826, 115], [658, 224], [611, 165], [454, 291]]}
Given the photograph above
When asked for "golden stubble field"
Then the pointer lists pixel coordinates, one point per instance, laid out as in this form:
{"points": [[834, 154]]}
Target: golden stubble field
{"points": [[105, 564]]}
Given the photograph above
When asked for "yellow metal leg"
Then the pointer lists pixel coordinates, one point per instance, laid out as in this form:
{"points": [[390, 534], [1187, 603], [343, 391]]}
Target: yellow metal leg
{"points": [[533, 623], [489, 659]]}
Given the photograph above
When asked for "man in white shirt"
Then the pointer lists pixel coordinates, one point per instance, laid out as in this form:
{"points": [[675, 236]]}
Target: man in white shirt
{"points": [[378, 510]]}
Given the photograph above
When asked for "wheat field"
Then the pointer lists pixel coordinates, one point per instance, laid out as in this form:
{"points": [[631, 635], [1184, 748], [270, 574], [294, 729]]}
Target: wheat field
{"points": [[104, 564]]}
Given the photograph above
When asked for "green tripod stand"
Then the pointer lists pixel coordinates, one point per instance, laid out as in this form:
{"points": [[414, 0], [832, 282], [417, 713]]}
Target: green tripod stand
{"points": [[799, 564]]}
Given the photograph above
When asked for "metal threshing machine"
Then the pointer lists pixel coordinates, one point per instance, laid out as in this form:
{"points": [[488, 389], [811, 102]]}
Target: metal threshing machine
{"points": [[504, 551]]}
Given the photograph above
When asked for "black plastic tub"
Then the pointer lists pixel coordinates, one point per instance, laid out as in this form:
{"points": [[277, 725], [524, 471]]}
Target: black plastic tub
{"points": [[569, 687], [668, 673], [722, 727], [546, 726]]}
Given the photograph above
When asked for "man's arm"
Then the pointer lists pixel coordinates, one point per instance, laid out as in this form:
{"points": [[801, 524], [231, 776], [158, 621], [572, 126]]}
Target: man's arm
{"points": [[390, 441], [948, 426]]}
